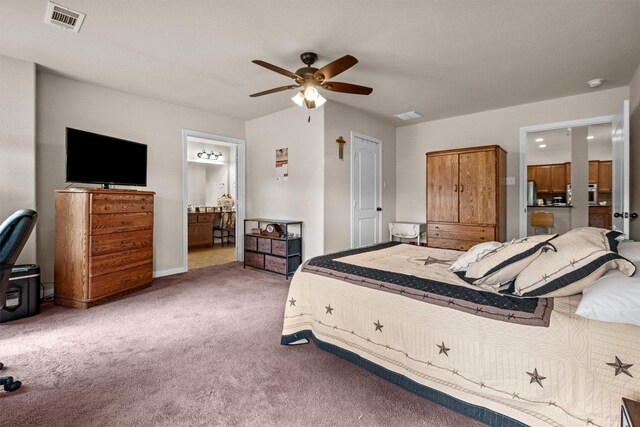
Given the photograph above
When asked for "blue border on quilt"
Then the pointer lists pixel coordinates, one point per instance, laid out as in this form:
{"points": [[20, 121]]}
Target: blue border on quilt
{"points": [[475, 412]]}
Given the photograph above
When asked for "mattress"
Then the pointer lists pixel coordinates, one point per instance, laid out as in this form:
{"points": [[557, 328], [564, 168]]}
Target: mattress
{"points": [[396, 310]]}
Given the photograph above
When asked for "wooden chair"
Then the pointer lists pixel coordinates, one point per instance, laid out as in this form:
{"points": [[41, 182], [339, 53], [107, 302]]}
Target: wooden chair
{"points": [[542, 219]]}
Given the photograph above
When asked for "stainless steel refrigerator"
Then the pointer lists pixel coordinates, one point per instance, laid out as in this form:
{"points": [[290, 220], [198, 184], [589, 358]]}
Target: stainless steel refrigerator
{"points": [[531, 193]]}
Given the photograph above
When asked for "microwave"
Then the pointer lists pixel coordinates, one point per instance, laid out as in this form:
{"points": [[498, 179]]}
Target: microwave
{"points": [[593, 194]]}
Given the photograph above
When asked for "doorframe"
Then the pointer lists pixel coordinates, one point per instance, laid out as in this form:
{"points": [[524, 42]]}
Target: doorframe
{"points": [[522, 217], [377, 141], [240, 189]]}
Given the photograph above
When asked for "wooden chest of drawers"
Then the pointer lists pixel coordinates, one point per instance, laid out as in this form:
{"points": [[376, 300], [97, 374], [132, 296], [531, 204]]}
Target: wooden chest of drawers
{"points": [[458, 236], [104, 244]]}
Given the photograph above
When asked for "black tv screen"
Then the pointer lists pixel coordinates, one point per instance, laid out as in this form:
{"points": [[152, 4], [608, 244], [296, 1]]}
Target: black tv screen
{"points": [[100, 159]]}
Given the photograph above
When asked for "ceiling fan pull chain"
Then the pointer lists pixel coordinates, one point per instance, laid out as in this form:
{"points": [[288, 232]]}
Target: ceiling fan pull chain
{"points": [[309, 119]]}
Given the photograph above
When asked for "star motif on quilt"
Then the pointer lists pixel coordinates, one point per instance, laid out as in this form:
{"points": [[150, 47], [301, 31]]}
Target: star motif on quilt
{"points": [[573, 263], [443, 349], [292, 302], [379, 326], [536, 377], [329, 310], [621, 367]]}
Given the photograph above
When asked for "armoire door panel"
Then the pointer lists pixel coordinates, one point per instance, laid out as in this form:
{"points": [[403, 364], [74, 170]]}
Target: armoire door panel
{"points": [[442, 188], [477, 192]]}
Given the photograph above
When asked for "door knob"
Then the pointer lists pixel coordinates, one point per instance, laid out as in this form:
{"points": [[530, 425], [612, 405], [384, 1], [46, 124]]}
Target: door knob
{"points": [[617, 215], [379, 209], [634, 215]]}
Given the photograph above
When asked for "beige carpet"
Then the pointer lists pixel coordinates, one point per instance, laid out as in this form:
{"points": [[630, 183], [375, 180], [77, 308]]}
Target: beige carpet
{"points": [[195, 349]]}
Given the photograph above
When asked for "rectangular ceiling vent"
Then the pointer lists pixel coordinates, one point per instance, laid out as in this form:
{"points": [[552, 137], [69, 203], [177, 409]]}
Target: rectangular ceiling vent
{"points": [[63, 17], [409, 115]]}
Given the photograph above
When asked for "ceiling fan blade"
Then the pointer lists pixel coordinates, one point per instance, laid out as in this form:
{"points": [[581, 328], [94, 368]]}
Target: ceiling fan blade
{"points": [[334, 68], [347, 88], [275, 89], [277, 69]]}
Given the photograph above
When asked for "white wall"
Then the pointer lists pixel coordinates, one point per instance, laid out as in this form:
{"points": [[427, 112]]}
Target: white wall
{"points": [[340, 120], [18, 144], [301, 197], [205, 176], [499, 127], [63, 102]]}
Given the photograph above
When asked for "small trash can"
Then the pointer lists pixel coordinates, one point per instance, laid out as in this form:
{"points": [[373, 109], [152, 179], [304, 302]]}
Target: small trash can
{"points": [[23, 293]]}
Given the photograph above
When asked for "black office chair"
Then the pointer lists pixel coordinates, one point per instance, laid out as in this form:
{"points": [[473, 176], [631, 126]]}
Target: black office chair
{"points": [[14, 233]]}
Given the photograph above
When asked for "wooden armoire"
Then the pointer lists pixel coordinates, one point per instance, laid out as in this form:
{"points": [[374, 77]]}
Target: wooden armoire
{"points": [[466, 197]]}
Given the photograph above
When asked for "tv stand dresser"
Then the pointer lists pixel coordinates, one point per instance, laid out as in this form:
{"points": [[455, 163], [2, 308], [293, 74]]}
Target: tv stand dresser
{"points": [[103, 245]]}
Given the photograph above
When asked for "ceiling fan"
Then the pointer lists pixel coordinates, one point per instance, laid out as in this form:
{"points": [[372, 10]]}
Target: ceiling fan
{"points": [[310, 79]]}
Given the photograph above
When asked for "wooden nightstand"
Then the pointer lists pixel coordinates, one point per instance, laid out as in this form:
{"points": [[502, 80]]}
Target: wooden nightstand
{"points": [[630, 413]]}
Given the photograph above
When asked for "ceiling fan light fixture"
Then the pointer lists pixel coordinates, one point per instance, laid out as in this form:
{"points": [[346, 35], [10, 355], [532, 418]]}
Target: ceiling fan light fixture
{"points": [[298, 98], [320, 100], [311, 93], [301, 100]]}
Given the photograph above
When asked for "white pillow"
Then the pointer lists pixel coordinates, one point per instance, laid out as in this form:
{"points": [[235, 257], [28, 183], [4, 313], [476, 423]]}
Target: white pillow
{"points": [[630, 250], [612, 298], [474, 254]]}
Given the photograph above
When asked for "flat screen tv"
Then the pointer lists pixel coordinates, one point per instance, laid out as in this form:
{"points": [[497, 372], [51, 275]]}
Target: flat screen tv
{"points": [[100, 159]]}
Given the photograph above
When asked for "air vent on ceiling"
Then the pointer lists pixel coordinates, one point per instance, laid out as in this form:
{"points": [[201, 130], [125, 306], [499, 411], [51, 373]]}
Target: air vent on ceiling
{"points": [[63, 17], [409, 115]]}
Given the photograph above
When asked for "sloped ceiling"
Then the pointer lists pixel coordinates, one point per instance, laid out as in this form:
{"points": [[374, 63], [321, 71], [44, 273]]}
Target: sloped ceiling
{"points": [[441, 58]]}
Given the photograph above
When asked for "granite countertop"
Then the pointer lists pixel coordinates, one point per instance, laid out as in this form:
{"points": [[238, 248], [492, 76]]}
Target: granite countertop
{"points": [[550, 206]]}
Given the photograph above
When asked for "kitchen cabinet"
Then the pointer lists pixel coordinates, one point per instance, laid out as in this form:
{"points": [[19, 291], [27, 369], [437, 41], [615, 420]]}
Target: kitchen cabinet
{"points": [[567, 173], [558, 183], [466, 197], [600, 216], [604, 177], [543, 179], [593, 171]]}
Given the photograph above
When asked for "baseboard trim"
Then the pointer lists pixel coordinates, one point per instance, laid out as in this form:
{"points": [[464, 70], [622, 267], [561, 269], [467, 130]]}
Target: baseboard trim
{"points": [[162, 273]]}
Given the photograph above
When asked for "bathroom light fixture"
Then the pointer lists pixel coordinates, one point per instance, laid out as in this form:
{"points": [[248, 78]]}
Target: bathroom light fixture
{"points": [[211, 156], [542, 145], [590, 137], [539, 139]]}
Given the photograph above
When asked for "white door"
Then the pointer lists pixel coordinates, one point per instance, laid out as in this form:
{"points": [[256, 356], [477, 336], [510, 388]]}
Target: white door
{"points": [[620, 168], [366, 165]]}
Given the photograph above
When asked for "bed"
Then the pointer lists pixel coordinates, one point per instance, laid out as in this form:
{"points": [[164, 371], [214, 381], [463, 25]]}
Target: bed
{"points": [[503, 353]]}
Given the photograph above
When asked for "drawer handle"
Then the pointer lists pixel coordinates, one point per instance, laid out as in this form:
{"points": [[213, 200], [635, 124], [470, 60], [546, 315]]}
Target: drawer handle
{"points": [[461, 188], [455, 188]]}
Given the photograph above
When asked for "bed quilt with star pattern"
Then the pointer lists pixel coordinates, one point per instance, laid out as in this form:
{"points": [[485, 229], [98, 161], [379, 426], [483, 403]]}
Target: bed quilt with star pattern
{"points": [[398, 311]]}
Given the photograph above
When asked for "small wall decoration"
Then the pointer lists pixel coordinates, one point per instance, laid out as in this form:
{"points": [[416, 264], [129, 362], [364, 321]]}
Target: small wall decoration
{"points": [[282, 164], [341, 143]]}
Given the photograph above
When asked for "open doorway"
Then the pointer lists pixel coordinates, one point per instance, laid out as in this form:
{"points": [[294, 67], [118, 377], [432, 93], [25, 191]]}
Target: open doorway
{"points": [[553, 158], [213, 198], [591, 188]]}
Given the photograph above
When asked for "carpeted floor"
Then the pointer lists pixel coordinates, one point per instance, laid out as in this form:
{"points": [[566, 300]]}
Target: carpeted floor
{"points": [[195, 349]]}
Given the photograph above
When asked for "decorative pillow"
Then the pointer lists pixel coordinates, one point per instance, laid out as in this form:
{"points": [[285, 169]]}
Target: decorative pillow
{"points": [[582, 256], [474, 254], [612, 298], [497, 270]]}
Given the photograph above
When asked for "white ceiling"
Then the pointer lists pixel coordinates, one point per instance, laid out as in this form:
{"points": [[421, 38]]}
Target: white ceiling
{"points": [[440, 58], [558, 145]]}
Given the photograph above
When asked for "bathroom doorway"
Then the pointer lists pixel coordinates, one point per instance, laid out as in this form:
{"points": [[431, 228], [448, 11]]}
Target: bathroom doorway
{"points": [[213, 199]]}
